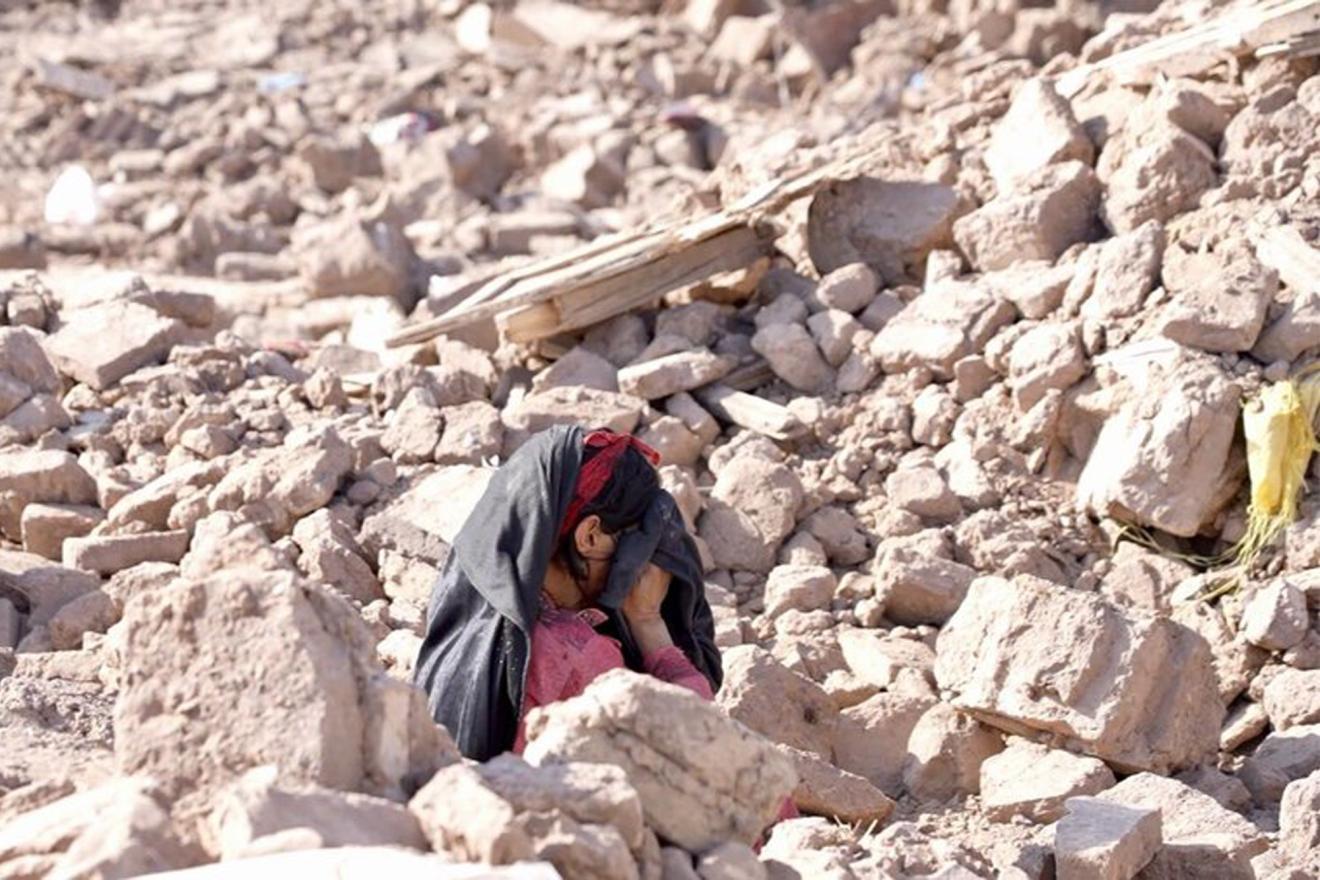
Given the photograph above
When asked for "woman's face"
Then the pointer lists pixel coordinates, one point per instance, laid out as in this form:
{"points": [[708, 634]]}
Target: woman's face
{"points": [[596, 547]]}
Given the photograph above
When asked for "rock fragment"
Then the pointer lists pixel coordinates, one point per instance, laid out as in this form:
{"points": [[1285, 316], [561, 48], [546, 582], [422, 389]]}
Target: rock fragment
{"points": [[1275, 616], [889, 225], [200, 658], [1047, 212], [1199, 835], [1027, 779], [702, 777], [1162, 458], [1118, 709], [1038, 130], [1098, 840]]}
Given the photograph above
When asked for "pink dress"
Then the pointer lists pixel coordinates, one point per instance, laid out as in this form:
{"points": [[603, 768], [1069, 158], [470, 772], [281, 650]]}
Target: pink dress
{"points": [[568, 654]]}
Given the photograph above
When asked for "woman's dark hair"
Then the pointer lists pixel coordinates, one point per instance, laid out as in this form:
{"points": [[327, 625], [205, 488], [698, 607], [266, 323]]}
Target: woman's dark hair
{"points": [[621, 504]]}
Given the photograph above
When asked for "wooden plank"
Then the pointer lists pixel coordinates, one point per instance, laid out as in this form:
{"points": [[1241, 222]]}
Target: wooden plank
{"points": [[752, 413], [601, 300], [1238, 31], [568, 282]]}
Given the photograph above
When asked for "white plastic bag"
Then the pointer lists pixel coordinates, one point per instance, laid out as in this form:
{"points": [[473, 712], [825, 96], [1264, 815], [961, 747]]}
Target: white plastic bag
{"points": [[72, 199]]}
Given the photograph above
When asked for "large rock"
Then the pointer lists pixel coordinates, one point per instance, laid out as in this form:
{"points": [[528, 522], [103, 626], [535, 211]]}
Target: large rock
{"points": [[425, 515], [1027, 779], [776, 702], [361, 863], [1046, 357], [1280, 758], [825, 790], [951, 320], [1295, 330], [349, 257], [1039, 129], [752, 509], [573, 405], [1098, 840], [256, 806], [1100, 690], [44, 587], [331, 555], [945, 752], [279, 486], [1292, 698], [27, 369], [1201, 838], [917, 586], [507, 812], [1218, 300], [703, 778], [1126, 271], [1299, 816], [1049, 211], [44, 476], [1152, 173], [103, 343], [1162, 458], [202, 659], [118, 830], [871, 737], [666, 376], [1274, 616], [798, 587], [333, 164], [890, 225]]}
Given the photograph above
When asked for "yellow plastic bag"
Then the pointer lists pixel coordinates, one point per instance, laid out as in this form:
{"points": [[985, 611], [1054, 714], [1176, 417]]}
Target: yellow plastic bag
{"points": [[1280, 431]]}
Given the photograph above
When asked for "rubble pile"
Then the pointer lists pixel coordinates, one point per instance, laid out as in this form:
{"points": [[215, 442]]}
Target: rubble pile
{"points": [[955, 427]]}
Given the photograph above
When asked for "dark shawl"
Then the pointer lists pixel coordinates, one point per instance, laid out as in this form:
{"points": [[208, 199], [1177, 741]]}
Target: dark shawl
{"points": [[473, 660]]}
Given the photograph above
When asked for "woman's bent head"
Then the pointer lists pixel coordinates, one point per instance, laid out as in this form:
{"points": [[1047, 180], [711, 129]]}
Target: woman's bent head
{"points": [[619, 489]]}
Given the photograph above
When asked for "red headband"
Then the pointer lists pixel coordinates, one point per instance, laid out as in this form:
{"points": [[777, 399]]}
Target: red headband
{"points": [[597, 472]]}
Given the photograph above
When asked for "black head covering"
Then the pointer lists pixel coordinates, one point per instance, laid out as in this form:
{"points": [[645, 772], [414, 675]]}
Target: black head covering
{"points": [[473, 659]]}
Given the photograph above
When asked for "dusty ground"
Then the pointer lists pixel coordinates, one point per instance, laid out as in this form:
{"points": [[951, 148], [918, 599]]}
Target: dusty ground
{"points": [[1029, 323]]}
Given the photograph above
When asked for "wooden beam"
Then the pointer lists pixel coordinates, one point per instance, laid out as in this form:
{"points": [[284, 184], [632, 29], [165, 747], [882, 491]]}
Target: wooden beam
{"points": [[635, 287]]}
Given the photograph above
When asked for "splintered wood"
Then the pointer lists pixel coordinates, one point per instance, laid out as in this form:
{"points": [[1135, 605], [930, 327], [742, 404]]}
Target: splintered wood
{"points": [[1270, 28], [615, 274]]}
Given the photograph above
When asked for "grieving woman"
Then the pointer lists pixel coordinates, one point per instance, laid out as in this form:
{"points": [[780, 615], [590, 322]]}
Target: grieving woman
{"points": [[574, 562]]}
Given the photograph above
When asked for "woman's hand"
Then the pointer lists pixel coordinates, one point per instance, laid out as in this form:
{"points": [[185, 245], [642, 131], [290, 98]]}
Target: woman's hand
{"points": [[642, 609], [643, 602]]}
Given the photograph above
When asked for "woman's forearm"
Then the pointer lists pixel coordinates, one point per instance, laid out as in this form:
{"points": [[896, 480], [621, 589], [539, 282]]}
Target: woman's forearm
{"points": [[650, 633]]}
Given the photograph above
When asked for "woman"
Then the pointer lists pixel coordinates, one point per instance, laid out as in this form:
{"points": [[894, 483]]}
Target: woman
{"points": [[573, 562]]}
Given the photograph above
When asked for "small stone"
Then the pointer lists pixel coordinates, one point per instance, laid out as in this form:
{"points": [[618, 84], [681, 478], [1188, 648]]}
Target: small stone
{"points": [[108, 554], [794, 357], [46, 526], [671, 374], [1292, 698], [804, 588], [922, 491], [849, 288], [1038, 130], [1275, 616]]}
